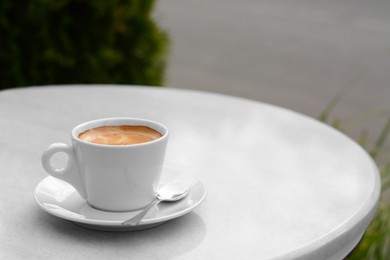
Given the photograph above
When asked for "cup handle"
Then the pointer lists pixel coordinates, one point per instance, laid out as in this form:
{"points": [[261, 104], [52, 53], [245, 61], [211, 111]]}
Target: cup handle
{"points": [[69, 173]]}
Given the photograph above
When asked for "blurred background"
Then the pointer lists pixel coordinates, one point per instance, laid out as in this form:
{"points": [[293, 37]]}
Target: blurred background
{"points": [[329, 59]]}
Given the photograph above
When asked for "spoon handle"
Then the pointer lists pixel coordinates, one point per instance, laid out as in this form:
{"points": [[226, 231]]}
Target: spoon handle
{"points": [[137, 218]]}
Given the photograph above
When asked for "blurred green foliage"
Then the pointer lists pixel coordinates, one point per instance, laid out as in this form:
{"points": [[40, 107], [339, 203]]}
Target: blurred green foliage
{"points": [[80, 41]]}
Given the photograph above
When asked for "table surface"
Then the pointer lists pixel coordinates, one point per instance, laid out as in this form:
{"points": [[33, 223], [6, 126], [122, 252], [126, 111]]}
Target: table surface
{"points": [[280, 184]]}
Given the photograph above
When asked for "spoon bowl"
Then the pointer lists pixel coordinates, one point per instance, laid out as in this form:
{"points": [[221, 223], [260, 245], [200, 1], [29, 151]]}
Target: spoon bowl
{"points": [[170, 192], [173, 191]]}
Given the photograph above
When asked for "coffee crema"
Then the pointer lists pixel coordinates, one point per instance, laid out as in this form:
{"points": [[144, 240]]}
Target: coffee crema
{"points": [[120, 135]]}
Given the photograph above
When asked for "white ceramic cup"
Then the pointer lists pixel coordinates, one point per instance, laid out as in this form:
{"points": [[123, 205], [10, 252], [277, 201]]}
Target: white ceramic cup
{"points": [[111, 177]]}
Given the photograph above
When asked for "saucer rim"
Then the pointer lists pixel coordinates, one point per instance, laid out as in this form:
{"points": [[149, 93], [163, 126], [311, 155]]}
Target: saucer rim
{"points": [[117, 223]]}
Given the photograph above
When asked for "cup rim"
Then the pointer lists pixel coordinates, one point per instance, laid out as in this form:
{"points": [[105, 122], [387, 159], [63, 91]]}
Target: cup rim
{"points": [[114, 121]]}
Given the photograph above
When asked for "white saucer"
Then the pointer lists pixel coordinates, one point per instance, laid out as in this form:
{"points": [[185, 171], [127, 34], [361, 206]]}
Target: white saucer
{"points": [[62, 200]]}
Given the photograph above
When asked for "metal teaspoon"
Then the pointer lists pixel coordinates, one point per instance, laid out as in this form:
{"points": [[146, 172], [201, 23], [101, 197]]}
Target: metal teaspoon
{"points": [[170, 192]]}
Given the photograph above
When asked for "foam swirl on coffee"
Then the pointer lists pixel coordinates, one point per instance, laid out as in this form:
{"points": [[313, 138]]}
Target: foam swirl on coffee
{"points": [[120, 135]]}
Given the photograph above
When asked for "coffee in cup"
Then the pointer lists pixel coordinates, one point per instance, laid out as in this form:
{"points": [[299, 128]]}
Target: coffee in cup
{"points": [[120, 135]]}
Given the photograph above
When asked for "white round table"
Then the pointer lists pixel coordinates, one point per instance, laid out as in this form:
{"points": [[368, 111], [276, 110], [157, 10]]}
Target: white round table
{"points": [[280, 185]]}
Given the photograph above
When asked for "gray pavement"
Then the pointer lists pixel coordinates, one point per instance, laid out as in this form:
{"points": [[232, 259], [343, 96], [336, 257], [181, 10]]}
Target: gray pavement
{"points": [[295, 54]]}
